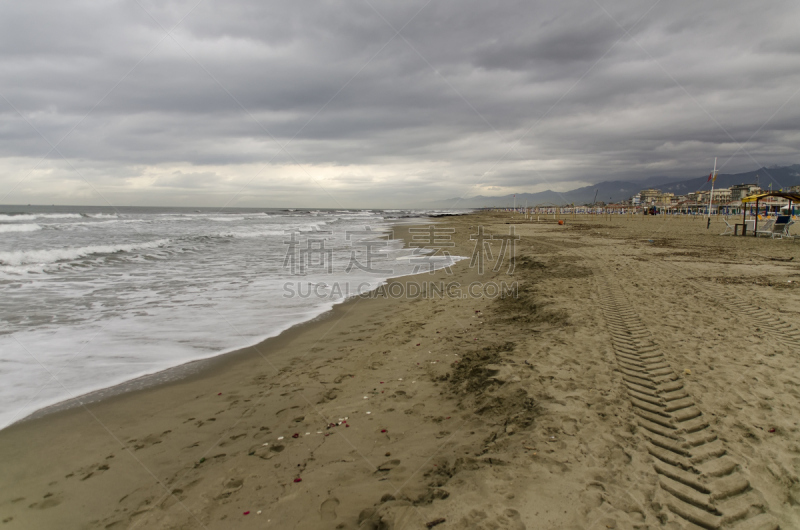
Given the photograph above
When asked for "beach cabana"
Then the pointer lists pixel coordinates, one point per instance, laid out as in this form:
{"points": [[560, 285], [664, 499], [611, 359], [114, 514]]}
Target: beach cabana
{"points": [[793, 197]]}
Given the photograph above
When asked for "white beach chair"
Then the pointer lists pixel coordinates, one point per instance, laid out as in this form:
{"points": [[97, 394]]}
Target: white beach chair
{"points": [[787, 227], [781, 227], [766, 228], [778, 230], [728, 228]]}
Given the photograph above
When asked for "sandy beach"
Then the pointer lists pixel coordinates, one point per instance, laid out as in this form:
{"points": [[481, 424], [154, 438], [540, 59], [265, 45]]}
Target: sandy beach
{"points": [[645, 374]]}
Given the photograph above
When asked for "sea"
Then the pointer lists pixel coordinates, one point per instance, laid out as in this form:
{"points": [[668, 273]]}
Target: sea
{"points": [[93, 297]]}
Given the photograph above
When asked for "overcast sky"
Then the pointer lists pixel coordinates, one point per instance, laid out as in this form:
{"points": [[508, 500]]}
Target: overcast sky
{"points": [[368, 103]]}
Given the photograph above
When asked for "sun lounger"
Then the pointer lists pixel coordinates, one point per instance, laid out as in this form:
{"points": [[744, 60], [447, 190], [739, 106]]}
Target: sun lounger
{"points": [[787, 227], [766, 228], [728, 228], [778, 230]]}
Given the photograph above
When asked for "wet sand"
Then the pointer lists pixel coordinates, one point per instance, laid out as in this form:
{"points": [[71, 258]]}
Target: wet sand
{"points": [[646, 375]]}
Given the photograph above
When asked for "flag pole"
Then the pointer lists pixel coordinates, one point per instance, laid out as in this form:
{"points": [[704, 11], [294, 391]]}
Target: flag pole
{"points": [[713, 179]]}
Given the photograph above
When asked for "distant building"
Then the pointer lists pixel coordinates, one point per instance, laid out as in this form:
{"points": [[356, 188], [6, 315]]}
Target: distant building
{"points": [[721, 195], [739, 191], [649, 196]]}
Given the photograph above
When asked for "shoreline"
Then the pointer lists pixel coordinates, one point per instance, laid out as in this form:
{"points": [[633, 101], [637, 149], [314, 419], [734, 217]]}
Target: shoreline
{"points": [[469, 412], [198, 368], [174, 374]]}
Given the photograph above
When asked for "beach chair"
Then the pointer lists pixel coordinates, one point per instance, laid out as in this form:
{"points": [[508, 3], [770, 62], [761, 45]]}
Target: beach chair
{"points": [[787, 227], [780, 227], [766, 228], [728, 228], [778, 230]]}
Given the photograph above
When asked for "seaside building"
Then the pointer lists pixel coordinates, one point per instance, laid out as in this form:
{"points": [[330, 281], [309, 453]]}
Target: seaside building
{"points": [[739, 191], [617, 208], [648, 196], [721, 195], [690, 206], [698, 196]]}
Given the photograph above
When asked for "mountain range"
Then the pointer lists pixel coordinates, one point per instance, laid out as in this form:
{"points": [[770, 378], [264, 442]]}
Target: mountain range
{"points": [[620, 190]]}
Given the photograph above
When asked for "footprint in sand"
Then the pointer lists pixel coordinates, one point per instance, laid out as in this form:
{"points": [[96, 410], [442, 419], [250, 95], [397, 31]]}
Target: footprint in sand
{"points": [[416, 409], [45, 504], [388, 465], [510, 519], [569, 426], [327, 510]]}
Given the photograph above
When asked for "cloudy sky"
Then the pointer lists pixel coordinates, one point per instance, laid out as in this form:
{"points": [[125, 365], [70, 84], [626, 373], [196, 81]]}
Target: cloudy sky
{"points": [[370, 103]]}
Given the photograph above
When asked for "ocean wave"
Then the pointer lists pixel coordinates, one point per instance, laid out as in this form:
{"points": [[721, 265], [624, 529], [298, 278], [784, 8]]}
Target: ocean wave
{"points": [[251, 234], [227, 219], [54, 255], [258, 216], [28, 227], [34, 216], [94, 223]]}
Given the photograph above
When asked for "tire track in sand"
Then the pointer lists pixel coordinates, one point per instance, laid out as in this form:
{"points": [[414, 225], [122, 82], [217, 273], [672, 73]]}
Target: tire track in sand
{"points": [[700, 482]]}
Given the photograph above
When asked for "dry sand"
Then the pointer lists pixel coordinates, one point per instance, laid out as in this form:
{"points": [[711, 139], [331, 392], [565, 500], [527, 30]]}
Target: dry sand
{"points": [[647, 375]]}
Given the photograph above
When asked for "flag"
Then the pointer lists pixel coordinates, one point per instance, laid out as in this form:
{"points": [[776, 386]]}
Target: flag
{"points": [[710, 177]]}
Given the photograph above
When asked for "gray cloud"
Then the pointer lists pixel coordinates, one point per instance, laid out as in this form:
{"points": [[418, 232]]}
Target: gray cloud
{"points": [[470, 98]]}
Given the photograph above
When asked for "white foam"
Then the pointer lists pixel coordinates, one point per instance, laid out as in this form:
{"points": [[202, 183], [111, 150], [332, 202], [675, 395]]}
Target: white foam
{"points": [[20, 228], [34, 216], [251, 234], [94, 223], [184, 291], [25, 257]]}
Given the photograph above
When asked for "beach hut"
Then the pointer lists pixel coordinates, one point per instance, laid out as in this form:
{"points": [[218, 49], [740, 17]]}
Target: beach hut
{"points": [[792, 196]]}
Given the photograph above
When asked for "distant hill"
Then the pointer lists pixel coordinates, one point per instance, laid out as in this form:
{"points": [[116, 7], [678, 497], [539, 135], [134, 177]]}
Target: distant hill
{"points": [[780, 177], [619, 190]]}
